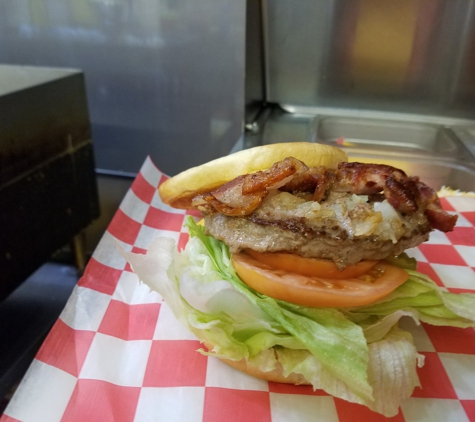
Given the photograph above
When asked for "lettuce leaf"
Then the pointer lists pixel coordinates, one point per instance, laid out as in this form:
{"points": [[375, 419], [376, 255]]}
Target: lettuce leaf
{"points": [[422, 299], [357, 354], [335, 341]]}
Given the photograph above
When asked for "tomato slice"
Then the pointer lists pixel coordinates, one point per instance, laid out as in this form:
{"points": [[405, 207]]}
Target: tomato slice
{"points": [[310, 266], [300, 289]]}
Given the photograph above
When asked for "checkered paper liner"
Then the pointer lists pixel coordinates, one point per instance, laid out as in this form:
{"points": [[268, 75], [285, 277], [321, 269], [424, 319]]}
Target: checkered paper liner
{"points": [[117, 353]]}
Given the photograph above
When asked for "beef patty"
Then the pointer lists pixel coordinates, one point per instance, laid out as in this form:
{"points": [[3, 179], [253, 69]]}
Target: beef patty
{"points": [[345, 228]]}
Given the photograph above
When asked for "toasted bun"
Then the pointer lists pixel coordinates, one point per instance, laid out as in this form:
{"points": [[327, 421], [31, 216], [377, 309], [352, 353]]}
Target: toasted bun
{"points": [[275, 375], [179, 190]]}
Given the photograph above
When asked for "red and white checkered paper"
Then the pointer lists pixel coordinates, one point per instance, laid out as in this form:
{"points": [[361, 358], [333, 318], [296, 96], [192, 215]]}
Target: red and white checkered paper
{"points": [[117, 353]]}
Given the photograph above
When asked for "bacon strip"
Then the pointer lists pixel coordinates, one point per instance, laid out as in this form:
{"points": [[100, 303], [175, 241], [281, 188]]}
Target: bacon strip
{"points": [[405, 194], [270, 178], [316, 179], [244, 194], [438, 218]]}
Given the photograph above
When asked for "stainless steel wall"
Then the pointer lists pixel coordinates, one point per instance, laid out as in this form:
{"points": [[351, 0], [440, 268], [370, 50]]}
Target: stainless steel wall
{"points": [[409, 56], [163, 77]]}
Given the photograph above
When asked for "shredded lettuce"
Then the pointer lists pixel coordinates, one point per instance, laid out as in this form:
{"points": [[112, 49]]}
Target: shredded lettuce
{"points": [[357, 354]]}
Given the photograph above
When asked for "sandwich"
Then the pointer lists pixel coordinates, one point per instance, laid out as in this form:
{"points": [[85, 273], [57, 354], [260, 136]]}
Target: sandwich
{"points": [[297, 272]]}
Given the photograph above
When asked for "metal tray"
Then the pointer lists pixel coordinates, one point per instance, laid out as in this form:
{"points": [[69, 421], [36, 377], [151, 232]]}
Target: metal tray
{"points": [[381, 136], [440, 154]]}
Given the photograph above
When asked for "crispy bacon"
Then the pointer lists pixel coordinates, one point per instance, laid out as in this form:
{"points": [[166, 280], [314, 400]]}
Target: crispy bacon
{"points": [[365, 179], [368, 179], [229, 200], [405, 194], [315, 179], [438, 218], [211, 204], [277, 174], [401, 194], [244, 194]]}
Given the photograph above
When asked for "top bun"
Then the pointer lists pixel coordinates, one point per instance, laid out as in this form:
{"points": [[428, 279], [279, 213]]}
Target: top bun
{"points": [[179, 190]]}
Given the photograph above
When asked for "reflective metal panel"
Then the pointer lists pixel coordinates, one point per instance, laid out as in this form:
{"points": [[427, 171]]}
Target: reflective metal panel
{"points": [[440, 154], [408, 56], [164, 77]]}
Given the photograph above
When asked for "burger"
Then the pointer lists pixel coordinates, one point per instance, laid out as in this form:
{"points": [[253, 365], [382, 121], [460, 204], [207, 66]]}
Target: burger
{"points": [[297, 272]]}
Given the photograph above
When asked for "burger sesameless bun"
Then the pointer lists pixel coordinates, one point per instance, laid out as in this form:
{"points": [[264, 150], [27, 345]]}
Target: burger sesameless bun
{"points": [[275, 375], [179, 190]]}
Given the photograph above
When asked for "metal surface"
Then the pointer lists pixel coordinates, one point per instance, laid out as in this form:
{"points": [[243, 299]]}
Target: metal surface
{"points": [[164, 78], [410, 56], [441, 155], [43, 116], [389, 82], [48, 190], [255, 89], [386, 136]]}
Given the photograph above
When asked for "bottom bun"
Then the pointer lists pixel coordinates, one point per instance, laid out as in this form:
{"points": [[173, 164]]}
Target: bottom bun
{"points": [[276, 375]]}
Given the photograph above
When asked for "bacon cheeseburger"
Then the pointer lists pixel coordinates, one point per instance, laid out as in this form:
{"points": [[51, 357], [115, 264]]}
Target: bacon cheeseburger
{"points": [[298, 274]]}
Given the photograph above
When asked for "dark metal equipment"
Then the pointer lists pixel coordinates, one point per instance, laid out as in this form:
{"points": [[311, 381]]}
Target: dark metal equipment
{"points": [[48, 191]]}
